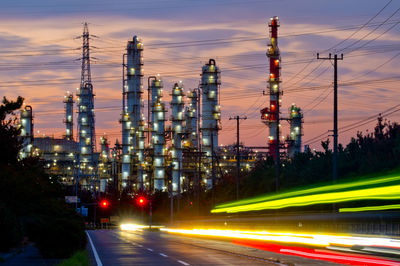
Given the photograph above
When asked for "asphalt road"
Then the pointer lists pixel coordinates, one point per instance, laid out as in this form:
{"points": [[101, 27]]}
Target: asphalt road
{"points": [[115, 247]]}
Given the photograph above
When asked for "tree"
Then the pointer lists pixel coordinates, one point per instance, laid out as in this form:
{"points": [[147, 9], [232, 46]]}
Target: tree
{"points": [[31, 202], [10, 143]]}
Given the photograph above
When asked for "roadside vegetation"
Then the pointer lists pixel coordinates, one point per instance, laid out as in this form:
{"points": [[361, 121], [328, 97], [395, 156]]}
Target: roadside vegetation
{"points": [[80, 258], [32, 207]]}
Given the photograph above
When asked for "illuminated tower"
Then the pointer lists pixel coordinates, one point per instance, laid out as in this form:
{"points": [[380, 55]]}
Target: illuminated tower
{"points": [[270, 115], [132, 108], [105, 149], [69, 116], [86, 121], [191, 113], [296, 122], [26, 127], [156, 87], [140, 154], [158, 133], [211, 115], [177, 131], [104, 163]]}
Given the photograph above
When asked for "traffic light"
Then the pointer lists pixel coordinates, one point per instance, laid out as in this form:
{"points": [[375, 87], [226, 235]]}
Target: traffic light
{"points": [[104, 203], [141, 201]]}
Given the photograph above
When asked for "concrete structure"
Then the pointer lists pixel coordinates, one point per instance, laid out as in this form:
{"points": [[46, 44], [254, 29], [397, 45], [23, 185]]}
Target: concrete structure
{"points": [[210, 81]]}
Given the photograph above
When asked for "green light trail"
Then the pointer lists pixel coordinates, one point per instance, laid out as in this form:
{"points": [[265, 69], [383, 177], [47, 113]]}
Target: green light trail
{"points": [[371, 208], [327, 188]]}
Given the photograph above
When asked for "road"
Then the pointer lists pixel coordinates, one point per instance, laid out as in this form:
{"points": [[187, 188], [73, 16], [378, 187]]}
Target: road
{"points": [[115, 247]]}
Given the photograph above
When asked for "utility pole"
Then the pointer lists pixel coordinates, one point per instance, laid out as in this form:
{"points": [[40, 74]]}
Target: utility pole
{"points": [[278, 155], [212, 169], [237, 118], [335, 104], [149, 120]]}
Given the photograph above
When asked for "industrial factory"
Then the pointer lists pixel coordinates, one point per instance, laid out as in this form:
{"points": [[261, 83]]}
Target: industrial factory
{"points": [[169, 146]]}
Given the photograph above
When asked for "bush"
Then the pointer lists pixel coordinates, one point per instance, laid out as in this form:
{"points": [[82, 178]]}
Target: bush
{"points": [[10, 229], [80, 258], [61, 237]]}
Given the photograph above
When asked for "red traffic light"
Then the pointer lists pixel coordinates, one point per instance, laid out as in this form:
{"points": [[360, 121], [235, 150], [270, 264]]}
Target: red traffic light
{"points": [[104, 203], [141, 201]]}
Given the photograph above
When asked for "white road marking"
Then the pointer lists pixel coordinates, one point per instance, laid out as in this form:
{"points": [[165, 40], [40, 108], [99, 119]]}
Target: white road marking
{"points": [[162, 254], [139, 245], [149, 249], [96, 256], [182, 262]]}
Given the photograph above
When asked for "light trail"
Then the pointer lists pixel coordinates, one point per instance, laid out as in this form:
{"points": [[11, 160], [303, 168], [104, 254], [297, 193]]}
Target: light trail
{"points": [[320, 240], [337, 257], [371, 208], [379, 193], [136, 227], [334, 194]]}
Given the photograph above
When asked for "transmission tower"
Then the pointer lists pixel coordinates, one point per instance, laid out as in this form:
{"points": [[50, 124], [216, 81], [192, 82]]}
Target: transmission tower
{"points": [[86, 121], [86, 76]]}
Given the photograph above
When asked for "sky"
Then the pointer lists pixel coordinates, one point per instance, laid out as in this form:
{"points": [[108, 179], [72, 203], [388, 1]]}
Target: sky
{"points": [[39, 58]]}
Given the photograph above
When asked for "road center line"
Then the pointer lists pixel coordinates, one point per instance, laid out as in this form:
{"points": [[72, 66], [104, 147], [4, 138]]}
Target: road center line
{"points": [[182, 262], [149, 249], [96, 256], [162, 254]]}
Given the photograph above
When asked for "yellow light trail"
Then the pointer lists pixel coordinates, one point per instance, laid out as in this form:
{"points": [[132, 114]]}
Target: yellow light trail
{"points": [[321, 240], [135, 227], [379, 193], [371, 208], [330, 188]]}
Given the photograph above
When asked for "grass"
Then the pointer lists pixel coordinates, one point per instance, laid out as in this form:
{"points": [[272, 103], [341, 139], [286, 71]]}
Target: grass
{"points": [[80, 258]]}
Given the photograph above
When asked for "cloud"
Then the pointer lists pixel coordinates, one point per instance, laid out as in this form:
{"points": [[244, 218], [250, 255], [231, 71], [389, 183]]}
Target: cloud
{"points": [[43, 63]]}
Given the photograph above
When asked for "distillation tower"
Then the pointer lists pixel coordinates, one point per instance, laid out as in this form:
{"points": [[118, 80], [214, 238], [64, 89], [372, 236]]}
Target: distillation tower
{"points": [[158, 133], [131, 111], [211, 115], [191, 121], [69, 116], [104, 162], [270, 116], [26, 128], [177, 106], [86, 119], [296, 129]]}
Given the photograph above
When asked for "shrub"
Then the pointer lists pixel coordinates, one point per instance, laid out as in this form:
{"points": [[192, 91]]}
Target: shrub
{"points": [[61, 237], [10, 229]]}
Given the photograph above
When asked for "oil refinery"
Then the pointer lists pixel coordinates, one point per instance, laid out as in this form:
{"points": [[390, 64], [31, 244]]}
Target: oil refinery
{"points": [[168, 147]]}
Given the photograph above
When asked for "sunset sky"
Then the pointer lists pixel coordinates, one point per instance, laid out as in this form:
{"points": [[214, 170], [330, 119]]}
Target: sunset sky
{"points": [[39, 58]]}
